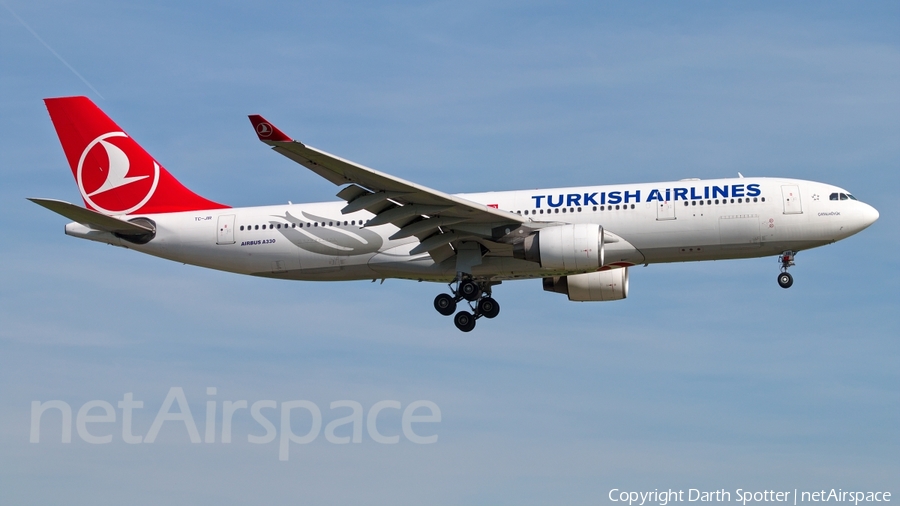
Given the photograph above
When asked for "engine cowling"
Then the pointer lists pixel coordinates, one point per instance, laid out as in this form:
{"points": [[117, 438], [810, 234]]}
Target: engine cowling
{"points": [[574, 247], [591, 286]]}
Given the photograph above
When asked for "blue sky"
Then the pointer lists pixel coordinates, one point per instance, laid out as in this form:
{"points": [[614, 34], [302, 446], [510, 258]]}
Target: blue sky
{"points": [[708, 376]]}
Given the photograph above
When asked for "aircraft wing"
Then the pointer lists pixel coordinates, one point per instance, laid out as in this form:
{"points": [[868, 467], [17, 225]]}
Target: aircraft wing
{"points": [[93, 219], [436, 218]]}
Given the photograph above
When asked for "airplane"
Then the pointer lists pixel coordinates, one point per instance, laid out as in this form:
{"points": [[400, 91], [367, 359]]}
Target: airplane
{"points": [[580, 241]]}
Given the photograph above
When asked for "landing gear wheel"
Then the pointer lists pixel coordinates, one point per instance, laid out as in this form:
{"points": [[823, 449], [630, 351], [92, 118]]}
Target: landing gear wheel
{"points": [[469, 290], [464, 321], [488, 307], [445, 304], [785, 280]]}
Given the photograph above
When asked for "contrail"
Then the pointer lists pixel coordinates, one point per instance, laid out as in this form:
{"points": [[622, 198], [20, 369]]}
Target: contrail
{"points": [[58, 57]]}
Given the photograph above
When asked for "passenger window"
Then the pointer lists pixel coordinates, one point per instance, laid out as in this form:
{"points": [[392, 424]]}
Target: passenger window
{"points": [[763, 199], [754, 199], [256, 227], [632, 206], [617, 207], [242, 227], [595, 208], [579, 209]]}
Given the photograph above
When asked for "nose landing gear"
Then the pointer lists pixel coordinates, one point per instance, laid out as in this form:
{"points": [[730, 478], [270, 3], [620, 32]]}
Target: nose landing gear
{"points": [[785, 280], [478, 297]]}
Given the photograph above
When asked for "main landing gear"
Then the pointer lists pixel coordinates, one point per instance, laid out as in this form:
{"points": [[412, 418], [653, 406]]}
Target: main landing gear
{"points": [[478, 297], [785, 280]]}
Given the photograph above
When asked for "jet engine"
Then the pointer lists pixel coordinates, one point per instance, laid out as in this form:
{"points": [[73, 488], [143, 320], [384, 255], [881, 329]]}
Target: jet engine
{"points": [[576, 247], [591, 286]]}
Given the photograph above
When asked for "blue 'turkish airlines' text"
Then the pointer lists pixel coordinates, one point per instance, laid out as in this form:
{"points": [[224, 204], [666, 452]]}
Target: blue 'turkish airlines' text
{"points": [[633, 197]]}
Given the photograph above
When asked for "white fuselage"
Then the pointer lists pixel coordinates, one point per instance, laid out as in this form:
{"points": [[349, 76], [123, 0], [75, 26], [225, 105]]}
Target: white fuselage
{"points": [[645, 223]]}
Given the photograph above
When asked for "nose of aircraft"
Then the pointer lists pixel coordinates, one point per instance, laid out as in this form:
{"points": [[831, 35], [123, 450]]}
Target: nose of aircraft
{"points": [[868, 215]]}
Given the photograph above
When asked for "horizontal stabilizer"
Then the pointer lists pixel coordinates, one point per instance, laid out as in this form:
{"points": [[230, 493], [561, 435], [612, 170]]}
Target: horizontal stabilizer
{"points": [[93, 219]]}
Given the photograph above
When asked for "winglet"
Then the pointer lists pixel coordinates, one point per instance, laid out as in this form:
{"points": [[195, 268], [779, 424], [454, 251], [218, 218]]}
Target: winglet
{"points": [[267, 131]]}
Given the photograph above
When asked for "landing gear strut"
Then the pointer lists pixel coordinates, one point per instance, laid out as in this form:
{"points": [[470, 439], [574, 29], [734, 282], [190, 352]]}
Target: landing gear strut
{"points": [[785, 280], [476, 294]]}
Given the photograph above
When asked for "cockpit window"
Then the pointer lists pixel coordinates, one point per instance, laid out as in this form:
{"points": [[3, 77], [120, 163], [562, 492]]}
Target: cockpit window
{"points": [[833, 196], [851, 197], [843, 196]]}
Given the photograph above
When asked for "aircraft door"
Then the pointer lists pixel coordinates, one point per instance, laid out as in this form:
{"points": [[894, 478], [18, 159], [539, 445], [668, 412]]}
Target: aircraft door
{"points": [[665, 210], [225, 230], [792, 204]]}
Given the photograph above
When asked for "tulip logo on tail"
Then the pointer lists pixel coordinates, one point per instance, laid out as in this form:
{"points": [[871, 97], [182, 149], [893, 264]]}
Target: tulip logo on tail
{"points": [[264, 129], [109, 181]]}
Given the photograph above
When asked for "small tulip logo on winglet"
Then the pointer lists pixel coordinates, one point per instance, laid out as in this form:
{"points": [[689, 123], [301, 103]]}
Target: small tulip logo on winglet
{"points": [[264, 129]]}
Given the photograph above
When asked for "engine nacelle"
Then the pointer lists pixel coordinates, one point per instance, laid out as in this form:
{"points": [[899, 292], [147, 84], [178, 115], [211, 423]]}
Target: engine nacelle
{"points": [[565, 247], [591, 286]]}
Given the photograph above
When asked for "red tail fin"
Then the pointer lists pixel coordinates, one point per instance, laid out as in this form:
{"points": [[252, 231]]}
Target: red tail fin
{"points": [[114, 174]]}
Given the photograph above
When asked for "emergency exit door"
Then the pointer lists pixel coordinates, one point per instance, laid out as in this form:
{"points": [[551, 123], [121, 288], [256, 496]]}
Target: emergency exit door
{"points": [[665, 210]]}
